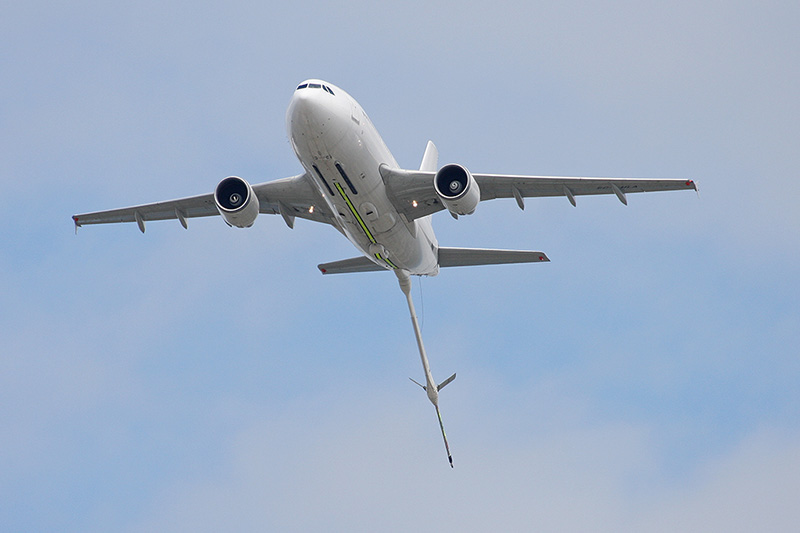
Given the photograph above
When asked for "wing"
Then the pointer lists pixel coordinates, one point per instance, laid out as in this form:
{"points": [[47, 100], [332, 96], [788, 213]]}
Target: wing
{"points": [[289, 197], [413, 194]]}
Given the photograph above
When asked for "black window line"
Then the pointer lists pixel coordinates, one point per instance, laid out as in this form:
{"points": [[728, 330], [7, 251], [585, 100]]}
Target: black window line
{"points": [[323, 179], [315, 86], [346, 179]]}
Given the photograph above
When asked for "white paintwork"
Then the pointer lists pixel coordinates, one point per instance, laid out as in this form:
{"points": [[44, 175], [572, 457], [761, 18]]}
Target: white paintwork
{"points": [[383, 210], [326, 129]]}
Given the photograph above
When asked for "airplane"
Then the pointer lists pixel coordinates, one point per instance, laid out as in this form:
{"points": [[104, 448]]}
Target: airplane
{"points": [[351, 181]]}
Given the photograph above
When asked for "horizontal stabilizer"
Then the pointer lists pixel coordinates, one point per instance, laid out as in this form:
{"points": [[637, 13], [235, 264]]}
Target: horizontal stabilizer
{"points": [[448, 257], [347, 266], [452, 257]]}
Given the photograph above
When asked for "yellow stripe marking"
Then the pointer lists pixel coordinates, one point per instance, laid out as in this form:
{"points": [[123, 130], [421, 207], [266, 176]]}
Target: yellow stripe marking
{"points": [[386, 260], [362, 224], [355, 214]]}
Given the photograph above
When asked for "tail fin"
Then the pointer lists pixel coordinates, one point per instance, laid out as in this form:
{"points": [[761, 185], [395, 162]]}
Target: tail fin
{"points": [[430, 161]]}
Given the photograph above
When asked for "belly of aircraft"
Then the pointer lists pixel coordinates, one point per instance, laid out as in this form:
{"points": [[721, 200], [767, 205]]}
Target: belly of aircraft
{"points": [[369, 219], [342, 155]]}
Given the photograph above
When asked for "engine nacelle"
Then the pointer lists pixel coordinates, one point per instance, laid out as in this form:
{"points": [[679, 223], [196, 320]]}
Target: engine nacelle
{"points": [[457, 189], [236, 202]]}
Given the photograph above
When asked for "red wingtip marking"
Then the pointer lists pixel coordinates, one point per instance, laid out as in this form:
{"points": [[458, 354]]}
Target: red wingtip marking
{"points": [[323, 270]]}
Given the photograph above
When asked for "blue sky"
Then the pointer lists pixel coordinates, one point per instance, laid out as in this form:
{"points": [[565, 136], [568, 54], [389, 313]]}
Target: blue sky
{"points": [[211, 379]]}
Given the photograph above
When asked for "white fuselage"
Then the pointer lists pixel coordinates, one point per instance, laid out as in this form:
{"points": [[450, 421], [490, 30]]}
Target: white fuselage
{"points": [[341, 152]]}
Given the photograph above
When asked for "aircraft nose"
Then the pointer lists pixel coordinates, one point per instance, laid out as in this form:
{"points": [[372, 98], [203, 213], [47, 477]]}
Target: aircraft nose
{"points": [[317, 113], [307, 106]]}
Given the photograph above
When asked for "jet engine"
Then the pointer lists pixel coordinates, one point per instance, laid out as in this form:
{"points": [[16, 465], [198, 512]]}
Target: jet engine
{"points": [[457, 189], [236, 202]]}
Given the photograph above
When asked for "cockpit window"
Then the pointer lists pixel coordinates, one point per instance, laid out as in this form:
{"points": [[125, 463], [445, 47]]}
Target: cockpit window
{"points": [[315, 86]]}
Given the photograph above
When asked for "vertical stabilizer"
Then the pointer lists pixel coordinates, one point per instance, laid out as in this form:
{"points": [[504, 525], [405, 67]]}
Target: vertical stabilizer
{"points": [[430, 161]]}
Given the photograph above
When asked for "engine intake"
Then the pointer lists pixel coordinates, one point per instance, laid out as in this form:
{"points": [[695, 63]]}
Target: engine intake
{"points": [[236, 202], [457, 189]]}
